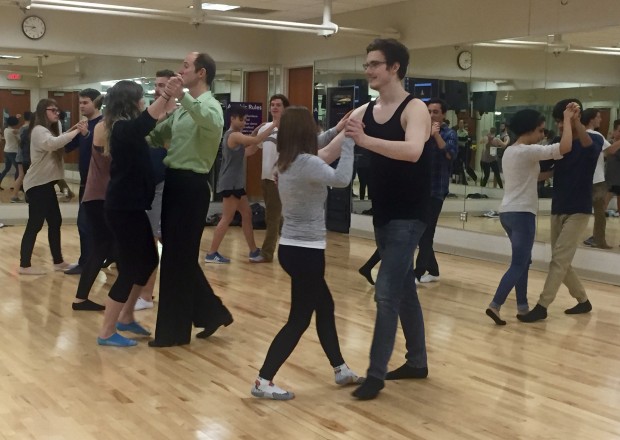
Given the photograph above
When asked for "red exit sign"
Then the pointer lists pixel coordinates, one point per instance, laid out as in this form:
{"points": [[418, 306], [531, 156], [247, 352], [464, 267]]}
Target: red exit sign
{"points": [[14, 76]]}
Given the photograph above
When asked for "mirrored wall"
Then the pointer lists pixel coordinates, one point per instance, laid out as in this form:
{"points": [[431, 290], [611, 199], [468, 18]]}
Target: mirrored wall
{"points": [[484, 85]]}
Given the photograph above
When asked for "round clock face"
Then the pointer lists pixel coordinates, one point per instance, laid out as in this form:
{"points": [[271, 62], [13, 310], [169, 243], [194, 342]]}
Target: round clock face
{"points": [[463, 60], [33, 27]]}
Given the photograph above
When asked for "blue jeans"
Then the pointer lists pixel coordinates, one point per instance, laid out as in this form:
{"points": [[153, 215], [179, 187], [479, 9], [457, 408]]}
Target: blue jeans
{"points": [[9, 161], [521, 229], [396, 296]]}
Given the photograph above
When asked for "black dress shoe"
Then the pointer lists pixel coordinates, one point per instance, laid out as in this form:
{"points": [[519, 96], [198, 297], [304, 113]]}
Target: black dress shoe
{"points": [[160, 344], [77, 270], [223, 319]]}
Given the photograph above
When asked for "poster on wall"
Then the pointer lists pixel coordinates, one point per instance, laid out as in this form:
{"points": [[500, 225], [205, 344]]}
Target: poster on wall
{"points": [[254, 117]]}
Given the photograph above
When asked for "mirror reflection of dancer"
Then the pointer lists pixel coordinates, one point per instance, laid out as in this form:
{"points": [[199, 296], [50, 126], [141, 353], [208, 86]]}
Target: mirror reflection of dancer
{"points": [[520, 203], [302, 182]]}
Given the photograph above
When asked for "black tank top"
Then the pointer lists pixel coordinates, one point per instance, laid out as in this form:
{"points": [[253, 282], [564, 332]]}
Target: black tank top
{"points": [[400, 189]]}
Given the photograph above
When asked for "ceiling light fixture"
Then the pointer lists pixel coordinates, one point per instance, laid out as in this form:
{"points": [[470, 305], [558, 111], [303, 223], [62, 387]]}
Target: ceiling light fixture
{"points": [[218, 7], [197, 17]]}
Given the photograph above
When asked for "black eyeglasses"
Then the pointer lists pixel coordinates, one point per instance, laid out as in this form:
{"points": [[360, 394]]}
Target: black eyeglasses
{"points": [[373, 64], [52, 109]]}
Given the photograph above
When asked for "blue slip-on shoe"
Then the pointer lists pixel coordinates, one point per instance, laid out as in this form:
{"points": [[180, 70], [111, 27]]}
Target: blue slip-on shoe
{"points": [[133, 327], [117, 340]]}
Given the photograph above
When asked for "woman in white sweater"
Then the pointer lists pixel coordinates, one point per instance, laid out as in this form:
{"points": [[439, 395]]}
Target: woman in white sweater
{"points": [[303, 178], [46, 151], [520, 203]]}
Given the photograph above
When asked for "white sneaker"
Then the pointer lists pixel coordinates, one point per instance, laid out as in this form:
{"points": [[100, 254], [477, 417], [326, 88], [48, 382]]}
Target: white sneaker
{"points": [[267, 390], [143, 304], [428, 278], [61, 267], [31, 271], [346, 376]]}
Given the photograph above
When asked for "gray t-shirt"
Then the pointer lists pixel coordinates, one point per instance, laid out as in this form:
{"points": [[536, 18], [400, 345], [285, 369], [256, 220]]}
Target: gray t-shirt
{"points": [[521, 169], [303, 190], [232, 172]]}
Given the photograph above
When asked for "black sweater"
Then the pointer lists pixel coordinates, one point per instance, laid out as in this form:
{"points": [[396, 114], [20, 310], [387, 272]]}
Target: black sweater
{"points": [[132, 185]]}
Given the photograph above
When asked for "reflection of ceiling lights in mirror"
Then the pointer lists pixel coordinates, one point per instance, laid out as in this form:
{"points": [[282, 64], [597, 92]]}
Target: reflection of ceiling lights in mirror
{"points": [[555, 45]]}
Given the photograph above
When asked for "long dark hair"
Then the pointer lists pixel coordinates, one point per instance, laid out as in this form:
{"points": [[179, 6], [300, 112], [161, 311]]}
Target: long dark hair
{"points": [[40, 117], [122, 102], [296, 135]]}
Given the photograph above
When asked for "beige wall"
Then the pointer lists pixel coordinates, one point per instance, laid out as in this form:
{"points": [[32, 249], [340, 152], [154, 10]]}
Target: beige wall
{"points": [[426, 23], [422, 23]]}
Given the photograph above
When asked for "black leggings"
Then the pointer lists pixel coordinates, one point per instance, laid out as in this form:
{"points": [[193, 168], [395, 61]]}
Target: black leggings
{"points": [[101, 245], [486, 168], [309, 293], [137, 254], [42, 207]]}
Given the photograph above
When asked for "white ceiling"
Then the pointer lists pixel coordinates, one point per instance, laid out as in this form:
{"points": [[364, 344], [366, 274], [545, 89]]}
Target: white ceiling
{"points": [[292, 10], [289, 10]]}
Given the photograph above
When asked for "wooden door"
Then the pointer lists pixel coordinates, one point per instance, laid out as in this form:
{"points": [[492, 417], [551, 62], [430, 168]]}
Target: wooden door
{"points": [[69, 103], [605, 121], [256, 90], [300, 86]]}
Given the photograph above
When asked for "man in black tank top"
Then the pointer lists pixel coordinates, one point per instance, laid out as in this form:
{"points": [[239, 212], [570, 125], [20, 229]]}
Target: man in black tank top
{"points": [[394, 128]]}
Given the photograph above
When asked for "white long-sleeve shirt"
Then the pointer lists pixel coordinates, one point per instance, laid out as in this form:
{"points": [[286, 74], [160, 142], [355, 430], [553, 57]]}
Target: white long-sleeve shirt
{"points": [[521, 169], [46, 155], [11, 140]]}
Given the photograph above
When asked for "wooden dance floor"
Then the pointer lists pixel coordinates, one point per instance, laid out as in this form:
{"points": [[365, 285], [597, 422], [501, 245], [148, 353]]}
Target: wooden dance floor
{"points": [[557, 379]]}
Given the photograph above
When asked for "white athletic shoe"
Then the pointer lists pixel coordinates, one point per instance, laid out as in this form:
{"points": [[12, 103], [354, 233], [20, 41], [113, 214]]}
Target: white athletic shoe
{"points": [[61, 267], [31, 271], [143, 304], [346, 376], [428, 278], [267, 390]]}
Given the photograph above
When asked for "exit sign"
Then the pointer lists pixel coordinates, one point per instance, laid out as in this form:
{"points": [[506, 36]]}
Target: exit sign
{"points": [[14, 76]]}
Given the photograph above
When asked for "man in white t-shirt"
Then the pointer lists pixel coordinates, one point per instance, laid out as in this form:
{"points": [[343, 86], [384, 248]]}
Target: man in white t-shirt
{"points": [[273, 205], [591, 119]]}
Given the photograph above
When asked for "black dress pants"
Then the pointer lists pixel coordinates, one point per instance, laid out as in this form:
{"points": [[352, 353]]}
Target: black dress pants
{"points": [[185, 295]]}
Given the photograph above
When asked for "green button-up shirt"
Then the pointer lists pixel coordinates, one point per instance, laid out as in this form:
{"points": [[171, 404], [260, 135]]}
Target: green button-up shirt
{"points": [[194, 131]]}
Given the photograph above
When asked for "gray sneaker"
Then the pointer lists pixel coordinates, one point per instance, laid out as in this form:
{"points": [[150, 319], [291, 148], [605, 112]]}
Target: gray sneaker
{"points": [[216, 258], [256, 257]]}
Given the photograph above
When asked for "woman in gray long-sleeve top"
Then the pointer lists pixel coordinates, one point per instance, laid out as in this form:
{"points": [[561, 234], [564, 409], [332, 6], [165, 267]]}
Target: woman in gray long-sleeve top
{"points": [[302, 183]]}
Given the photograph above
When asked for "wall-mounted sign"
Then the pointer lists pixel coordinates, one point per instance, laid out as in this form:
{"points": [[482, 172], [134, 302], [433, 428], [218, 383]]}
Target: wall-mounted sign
{"points": [[14, 76]]}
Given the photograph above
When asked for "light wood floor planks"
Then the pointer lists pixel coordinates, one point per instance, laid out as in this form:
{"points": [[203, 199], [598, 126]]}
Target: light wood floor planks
{"points": [[552, 380]]}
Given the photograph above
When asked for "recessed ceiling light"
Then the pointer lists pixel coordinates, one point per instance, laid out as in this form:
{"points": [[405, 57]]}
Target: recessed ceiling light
{"points": [[10, 57], [218, 7]]}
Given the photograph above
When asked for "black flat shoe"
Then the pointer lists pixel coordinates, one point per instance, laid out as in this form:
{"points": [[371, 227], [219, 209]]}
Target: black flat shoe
{"points": [[161, 344], [223, 319]]}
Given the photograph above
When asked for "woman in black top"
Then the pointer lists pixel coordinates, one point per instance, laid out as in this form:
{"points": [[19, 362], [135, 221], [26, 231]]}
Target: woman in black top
{"points": [[130, 192]]}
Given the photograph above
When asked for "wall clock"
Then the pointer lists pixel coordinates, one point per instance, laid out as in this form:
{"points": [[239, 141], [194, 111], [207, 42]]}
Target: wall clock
{"points": [[463, 60], [33, 27]]}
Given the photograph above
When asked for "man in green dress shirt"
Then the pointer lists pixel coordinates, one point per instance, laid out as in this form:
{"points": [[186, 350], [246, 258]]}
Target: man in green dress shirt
{"points": [[194, 131]]}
